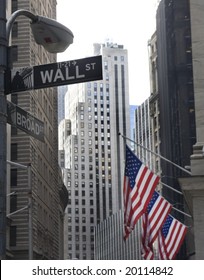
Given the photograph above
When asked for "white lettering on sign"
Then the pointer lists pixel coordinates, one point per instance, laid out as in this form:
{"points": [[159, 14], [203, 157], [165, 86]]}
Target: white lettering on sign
{"points": [[28, 124], [90, 66], [52, 76], [47, 75], [58, 75]]}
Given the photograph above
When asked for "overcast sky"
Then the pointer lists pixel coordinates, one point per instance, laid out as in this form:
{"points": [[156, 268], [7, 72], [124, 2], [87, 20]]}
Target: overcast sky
{"points": [[129, 23]]}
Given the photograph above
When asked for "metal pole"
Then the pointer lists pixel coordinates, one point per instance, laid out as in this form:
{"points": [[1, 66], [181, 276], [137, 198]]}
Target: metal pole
{"points": [[30, 210], [3, 136], [29, 206], [160, 156]]}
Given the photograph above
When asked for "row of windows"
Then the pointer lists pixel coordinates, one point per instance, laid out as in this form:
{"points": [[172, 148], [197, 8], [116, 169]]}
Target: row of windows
{"points": [[77, 183], [83, 193], [83, 219], [83, 202], [77, 247], [83, 237], [83, 175], [77, 229], [77, 210]]}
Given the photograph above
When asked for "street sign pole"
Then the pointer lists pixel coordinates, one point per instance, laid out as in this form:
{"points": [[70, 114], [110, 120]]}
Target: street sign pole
{"points": [[3, 120]]}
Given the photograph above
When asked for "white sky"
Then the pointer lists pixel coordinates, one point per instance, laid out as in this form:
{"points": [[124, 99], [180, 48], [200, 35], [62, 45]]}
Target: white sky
{"points": [[126, 22]]}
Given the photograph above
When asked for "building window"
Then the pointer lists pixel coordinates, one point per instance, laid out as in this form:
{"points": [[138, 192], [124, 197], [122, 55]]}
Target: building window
{"points": [[14, 151], [13, 230], [14, 6], [15, 30], [14, 177], [13, 203]]}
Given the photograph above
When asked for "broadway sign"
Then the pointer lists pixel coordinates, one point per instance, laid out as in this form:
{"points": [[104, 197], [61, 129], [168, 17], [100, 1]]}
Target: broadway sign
{"points": [[54, 74], [25, 121]]}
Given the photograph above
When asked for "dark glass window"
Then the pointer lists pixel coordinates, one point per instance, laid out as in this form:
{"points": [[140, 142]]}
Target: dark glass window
{"points": [[14, 151], [14, 177], [13, 230], [13, 203]]}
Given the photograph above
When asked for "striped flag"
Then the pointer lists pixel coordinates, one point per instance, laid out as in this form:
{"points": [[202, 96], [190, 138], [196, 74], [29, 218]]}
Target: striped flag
{"points": [[138, 188], [170, 239], [152, 221]]}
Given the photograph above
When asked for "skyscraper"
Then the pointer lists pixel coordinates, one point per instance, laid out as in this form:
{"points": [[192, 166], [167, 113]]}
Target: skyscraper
{"points": [[94, 152], [61, 94], [176, 94], [47, 194]]}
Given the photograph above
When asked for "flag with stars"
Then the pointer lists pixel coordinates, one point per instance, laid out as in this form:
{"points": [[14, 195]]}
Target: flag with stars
{"points": [[170, 238], [152, 221], [138, 188]]}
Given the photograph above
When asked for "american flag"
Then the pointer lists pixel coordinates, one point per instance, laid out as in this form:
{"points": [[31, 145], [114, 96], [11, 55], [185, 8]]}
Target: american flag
{"points": [[170, 239], [152, 221], [138, 188]]}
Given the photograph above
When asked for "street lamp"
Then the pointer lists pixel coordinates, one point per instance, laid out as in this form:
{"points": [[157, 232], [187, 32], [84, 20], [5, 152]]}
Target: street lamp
{"points": [[54, 37], [49, 33]]}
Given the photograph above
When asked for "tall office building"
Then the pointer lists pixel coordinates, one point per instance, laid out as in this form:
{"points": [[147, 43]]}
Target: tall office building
{"points": [[48, 194], [176, 95], [193, 187], [94, 152], [143, 133], [61, 95], [132, 123], [154, 104]]}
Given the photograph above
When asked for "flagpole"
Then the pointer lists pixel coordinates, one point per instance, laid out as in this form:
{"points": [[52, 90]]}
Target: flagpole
{"points": [[182, 212], [163, 184], [160, 156]]}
